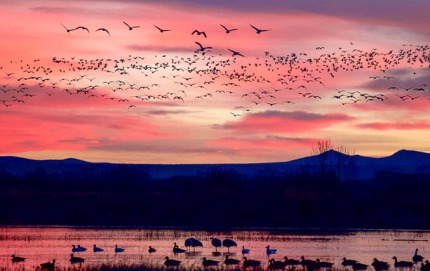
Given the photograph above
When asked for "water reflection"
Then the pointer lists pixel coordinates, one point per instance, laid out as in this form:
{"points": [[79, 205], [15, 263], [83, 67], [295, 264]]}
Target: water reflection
{"points": [[39, 245]]}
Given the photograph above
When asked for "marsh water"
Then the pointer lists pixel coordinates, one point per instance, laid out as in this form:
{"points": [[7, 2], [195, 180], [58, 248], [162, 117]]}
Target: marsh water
{"points": [[42, 244]]}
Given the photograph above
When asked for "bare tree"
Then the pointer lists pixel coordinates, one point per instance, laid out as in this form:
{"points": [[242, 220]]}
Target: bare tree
{"points": [[320, 152], [341, 161]]}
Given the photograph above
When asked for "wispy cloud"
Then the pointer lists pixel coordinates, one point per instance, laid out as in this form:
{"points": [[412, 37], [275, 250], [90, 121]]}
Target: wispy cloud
{"points": [[286, 122]]}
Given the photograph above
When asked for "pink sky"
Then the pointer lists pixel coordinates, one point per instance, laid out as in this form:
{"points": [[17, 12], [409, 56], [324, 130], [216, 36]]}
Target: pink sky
{"points": [[258, 108]]}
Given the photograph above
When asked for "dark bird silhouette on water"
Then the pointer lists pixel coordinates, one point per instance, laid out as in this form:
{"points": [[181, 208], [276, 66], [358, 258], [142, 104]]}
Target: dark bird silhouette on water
{"points": [[250, 263], [245, 250], [207, 263], [193, 242], [227, 31], [78, 248], [131, 27], [230, 261], [169, 262], [259, 31], [235, 53], [151, 249], [74, 259], [119, 249], [16, 259], [380, 265], [97, 249], [359, 266], [402, 263], [270, 250], [228, 243], [216, 243], [417, 258], [199, 33], [177, 249], [48, 265], [348, 262], [161, 30], [276, 265], [291, 262]]}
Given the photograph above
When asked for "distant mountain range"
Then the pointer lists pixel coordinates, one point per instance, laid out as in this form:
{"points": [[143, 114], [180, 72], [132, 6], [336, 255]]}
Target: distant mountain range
{"points": [[355, 167]]}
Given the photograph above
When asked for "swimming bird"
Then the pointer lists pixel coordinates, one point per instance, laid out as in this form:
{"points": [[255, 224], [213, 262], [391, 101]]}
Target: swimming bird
{"points": [[273, 265], [323, 264], [250, 263], [417, 258], [130, 27], [359, 266], [227, 31], [151, 249], [230, 261], [48, 265], [74, 259], [380, 265], [228, 243], [78, 249], [216, 243], [16, 259], [258, 30], [207, 263], [119, 249], [245, 250], [425, 266], [199, 33], [168, 262], [290, 262], [97, 249], [235, 53], [103, 29], [176, 249], [161, 30], [402, 263], [270, 251], [348, 262]]}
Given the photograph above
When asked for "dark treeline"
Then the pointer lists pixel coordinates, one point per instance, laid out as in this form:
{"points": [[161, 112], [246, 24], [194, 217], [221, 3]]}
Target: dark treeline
{"points": [[217, 199]]}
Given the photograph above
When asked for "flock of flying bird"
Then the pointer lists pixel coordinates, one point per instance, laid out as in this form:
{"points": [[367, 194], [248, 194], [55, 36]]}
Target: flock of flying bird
{"points": [[286, 263], [267, 81]]}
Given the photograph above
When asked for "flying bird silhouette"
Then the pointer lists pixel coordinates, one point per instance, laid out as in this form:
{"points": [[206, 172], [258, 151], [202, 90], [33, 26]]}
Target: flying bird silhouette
{"points": [[227, 31], [259, 30], [199, 33], [130, 27], [202, 49], [235, 53], [103, 29], [161, 30]]}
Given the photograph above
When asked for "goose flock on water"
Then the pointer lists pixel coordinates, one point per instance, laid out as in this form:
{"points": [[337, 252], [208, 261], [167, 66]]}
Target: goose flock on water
{"points": [[286, 263]]}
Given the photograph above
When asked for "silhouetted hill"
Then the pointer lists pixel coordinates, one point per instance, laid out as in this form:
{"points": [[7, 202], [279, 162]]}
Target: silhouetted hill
{"points": [[330, 190], [359, 167]]}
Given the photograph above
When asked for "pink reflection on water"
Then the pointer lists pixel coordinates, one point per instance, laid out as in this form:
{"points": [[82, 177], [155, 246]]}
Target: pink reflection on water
{"points": [[39, 245]]}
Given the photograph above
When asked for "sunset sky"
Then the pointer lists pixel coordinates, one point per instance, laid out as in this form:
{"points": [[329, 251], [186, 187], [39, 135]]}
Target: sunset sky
{"points": [[354, 72]]}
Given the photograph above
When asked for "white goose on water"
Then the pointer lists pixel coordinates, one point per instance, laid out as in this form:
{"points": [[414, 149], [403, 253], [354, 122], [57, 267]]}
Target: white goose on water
{"points": [[270, 251]]}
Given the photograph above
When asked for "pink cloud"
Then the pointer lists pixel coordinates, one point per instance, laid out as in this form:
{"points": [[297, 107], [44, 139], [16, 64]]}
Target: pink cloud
{"points": [[419, 125], [286, 122]]}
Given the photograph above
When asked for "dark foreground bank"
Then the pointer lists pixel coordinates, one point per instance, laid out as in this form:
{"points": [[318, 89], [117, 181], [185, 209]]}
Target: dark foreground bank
{"points": [[217, 199]]}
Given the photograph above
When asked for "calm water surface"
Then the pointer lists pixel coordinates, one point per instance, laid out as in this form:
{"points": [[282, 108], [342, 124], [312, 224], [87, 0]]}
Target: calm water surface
{"points": [[40, 245]]}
